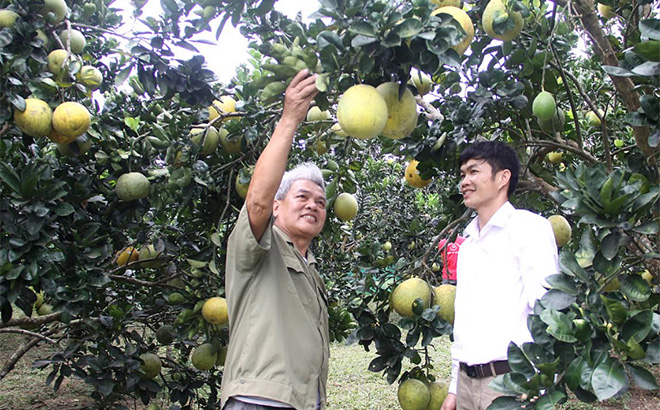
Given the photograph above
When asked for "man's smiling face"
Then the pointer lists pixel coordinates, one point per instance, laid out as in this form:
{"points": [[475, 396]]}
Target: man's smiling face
{"points": [[301, 213]]}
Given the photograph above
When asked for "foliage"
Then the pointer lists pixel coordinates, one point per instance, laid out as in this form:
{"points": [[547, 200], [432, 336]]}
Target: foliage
{"points": [[61, 222]]}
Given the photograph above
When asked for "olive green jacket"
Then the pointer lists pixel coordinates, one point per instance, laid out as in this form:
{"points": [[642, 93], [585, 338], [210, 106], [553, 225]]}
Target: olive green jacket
{"points": [[278, 320]]}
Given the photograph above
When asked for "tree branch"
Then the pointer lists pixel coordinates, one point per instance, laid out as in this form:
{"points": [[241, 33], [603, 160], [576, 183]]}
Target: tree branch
{"points": [[432, 113], [20, 352], [28, 333], [39, 320]]}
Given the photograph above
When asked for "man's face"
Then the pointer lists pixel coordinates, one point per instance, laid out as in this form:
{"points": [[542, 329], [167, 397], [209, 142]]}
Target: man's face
{"points": [[301, 213], [480, 188]]}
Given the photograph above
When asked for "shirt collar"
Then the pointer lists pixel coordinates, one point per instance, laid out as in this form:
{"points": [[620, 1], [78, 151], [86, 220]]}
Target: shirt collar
{"points": [[310, 256], [498, 219]]}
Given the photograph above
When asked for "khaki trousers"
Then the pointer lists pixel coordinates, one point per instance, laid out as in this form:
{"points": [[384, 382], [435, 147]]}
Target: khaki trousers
{"points": [[474, 393]]}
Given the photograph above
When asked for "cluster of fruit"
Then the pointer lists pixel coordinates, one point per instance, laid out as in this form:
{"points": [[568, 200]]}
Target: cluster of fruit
{"points": [[63, 125], [290, 60]]}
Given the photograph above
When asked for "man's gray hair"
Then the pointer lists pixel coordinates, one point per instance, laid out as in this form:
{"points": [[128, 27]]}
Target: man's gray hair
{"points": [[305, 170]]}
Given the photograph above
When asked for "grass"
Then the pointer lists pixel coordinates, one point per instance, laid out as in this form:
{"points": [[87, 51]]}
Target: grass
{"points": [[351, 386]]}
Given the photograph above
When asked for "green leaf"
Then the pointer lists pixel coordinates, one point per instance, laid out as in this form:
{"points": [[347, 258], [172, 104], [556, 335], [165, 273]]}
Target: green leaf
{"points": [[408, 28], [635, 288], [608, 379], [557, 300], [638, 326], [559, 325], [647, 69], [361, 40], [10, 177], [568, 264], [615, 310], [653, 352], [123, 75], [642, 377], [575, 373], [326, 38], [562, 282], [64, 209], [618, 71], [650, 28], [505, 403], [518, 361], [650, 104], [363, 28], [551, 400]]}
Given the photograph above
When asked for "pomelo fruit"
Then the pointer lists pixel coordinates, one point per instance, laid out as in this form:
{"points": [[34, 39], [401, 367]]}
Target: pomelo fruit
{"points": [[90, 76], [225, 105], [345, 207], [593, 119], [132, 185], [57, 7], [444, 296], [494, 11], [204, 357], [210, 136], [76, 38], [439, 391], [606, 11], [36, 119], [151, 365], [362, 111], [126, 255], [149, 252], [555, 157], [315, 114], [214, 311], [71, 119], [165, 334], [544, 106], [401, 113], [421, 81], [413, 395], [555, 123], [407, 292], [230, 145], [7, 18], [465, 22], [561, 228], [79, 146], [412, 176]]}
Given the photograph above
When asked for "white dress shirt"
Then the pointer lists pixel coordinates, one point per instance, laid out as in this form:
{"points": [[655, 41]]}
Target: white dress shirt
{"points": [[501, 273]]}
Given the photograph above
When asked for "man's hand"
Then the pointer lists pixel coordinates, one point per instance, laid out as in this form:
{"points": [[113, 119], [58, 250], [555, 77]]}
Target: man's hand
{"points": [[300, 92], [450, 402]]}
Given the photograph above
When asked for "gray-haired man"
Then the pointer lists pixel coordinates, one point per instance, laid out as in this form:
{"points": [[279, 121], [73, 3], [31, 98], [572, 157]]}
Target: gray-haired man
{"points": [[278, 319]]}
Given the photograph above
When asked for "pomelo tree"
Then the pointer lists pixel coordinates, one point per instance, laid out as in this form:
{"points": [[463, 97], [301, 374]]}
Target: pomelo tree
{"points": [[66, 226]]}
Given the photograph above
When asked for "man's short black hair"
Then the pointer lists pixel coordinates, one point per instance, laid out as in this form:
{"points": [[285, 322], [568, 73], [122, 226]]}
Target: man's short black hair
{"points": [[499, 155]]}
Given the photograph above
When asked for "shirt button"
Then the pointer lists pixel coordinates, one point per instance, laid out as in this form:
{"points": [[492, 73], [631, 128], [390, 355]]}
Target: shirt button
{"points": [[241, 381]]}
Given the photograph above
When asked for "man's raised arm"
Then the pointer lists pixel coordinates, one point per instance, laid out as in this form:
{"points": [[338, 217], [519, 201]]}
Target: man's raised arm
{"points": [[272, 162]]}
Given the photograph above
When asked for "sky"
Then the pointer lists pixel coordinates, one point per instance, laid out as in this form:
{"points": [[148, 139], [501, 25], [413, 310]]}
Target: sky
{"points": [[231, 48]]}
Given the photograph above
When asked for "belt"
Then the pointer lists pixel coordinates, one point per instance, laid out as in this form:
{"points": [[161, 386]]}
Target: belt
{"points": [[480, 371]]}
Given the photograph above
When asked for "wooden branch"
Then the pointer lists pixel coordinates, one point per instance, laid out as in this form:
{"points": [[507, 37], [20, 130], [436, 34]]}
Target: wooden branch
{"points": [[432, 113], [39, 320], [624, 86], [20, 352], [28, 333], [141, 282]]}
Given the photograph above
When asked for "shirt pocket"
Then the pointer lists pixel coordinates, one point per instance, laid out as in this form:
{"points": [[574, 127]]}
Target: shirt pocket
{"points": [[297, 280]]}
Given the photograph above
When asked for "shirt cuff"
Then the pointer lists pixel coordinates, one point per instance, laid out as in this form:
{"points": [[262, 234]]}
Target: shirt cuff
{"points": [[453, 385]]}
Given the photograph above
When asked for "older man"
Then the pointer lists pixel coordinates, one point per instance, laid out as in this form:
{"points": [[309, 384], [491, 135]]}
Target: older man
{"points": [[278, 320]]}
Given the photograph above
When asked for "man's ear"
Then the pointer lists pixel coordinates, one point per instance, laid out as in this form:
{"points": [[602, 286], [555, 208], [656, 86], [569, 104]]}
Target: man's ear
{"points": [[276, 207], [505, 177]]}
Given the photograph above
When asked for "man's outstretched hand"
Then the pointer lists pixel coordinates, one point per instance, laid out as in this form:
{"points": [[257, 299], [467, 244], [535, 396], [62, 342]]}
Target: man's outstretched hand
{"points": [[298, 95]]}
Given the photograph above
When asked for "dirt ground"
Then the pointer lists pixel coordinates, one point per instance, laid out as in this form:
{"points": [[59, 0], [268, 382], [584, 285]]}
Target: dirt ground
{"points": [[25, 388]]}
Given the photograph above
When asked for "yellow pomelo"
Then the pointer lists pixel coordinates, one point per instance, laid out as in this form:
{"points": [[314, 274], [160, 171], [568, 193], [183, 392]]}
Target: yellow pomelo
{"points": [[544, 106], [465, 22], [407, 292], [90, 77], [336, 129], [444, 296], [230, 145], [59, 138], [345, 207], [422, 81], [606, 11], [150, 368], [493, 11], [413, 395], [555, 157], [57, 64], [57, 7], [126, 255], [214, 311], [362, 111], [561, 228], [315, 114], [211, 139], [401, 113], [204, 357], [149, 252], [594, 120], [439, 391], [412, 176], [42, 36], [7, 18], [71, 119], [225, 105], [36, 120], [77, 39], [132, 185]]}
